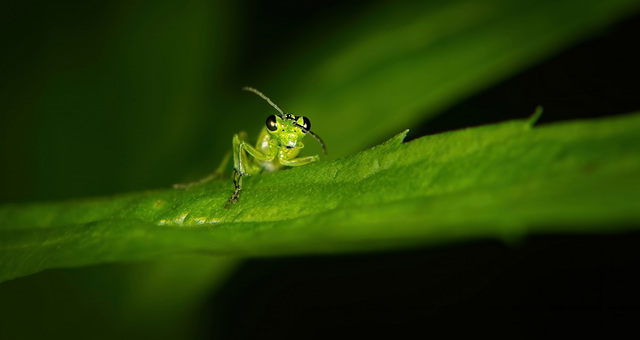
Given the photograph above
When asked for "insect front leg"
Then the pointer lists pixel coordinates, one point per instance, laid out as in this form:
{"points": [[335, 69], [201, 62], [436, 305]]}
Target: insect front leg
{"points": [[299, 161], [242, 166]]}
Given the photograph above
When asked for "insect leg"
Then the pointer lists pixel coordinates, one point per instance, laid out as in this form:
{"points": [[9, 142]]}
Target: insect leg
{"points": [[243, 166], [239, 161], [237, 183], [299, 161], [216, 174]]}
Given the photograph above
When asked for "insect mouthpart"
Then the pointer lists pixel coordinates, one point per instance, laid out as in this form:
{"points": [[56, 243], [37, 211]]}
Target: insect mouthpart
{"points": [[291, 144]]}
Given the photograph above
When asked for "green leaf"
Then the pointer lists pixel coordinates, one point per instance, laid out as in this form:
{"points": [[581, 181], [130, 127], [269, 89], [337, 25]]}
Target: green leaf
{"points": [[504, 180]]}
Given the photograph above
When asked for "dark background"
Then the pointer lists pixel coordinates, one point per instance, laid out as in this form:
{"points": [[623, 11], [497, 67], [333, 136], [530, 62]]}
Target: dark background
{"points": [[546, 286]]}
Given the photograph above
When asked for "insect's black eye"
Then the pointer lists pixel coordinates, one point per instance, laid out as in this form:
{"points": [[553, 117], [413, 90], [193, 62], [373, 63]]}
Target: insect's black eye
{"points": [[272, 123], [306, 125]]}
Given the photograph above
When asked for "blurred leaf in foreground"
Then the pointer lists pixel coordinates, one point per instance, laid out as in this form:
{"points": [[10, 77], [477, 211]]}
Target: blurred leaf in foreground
{"points": [[157, 299]]}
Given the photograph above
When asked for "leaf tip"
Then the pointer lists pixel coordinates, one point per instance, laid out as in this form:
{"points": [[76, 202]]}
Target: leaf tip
{"points": [[399, 138], [535, 116]]}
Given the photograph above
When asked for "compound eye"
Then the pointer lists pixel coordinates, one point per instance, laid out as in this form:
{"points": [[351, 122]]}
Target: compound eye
{"points": [[306, 124], [272, 123]]}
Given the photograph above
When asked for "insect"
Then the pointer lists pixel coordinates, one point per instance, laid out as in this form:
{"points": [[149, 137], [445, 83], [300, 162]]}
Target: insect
{"points": [[279, 144]]}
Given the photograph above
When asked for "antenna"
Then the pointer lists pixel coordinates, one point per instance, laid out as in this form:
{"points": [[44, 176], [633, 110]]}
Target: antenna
{"points": [[324, 149], [251, 89]]}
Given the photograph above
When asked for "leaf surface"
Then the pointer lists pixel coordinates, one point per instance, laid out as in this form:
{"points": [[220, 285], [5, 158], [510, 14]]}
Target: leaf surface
{"points": [[504, 180]]}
